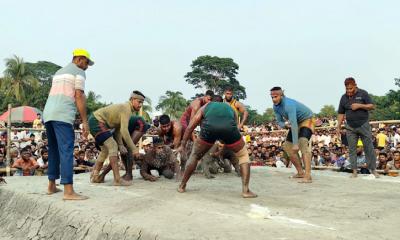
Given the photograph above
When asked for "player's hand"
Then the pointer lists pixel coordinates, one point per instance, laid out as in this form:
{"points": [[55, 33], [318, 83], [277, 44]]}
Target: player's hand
{"points": [[180, 149], [338, 133], [295, 148], [135, 153], [85, 130], [151, 178], [122, 149]]}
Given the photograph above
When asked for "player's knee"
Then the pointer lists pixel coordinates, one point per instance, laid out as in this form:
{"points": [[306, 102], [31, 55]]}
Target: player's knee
{"points": [[243, 155], [304, 145], [287, 146], [111, 146]]}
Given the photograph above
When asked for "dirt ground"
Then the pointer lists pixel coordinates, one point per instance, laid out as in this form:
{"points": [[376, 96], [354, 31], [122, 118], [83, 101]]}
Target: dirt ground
{"points": [[333, 207]]}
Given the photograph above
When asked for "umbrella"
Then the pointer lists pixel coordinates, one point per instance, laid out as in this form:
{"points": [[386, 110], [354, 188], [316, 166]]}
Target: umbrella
{"points": [[23, 114]]}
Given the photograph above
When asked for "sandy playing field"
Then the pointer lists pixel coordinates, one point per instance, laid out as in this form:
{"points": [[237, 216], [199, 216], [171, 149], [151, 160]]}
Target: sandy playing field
{"points": [[333, 207]]}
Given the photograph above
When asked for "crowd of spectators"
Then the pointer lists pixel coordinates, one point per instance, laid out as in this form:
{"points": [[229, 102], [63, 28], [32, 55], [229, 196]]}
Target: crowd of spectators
{"points": [[29, 152], [328, 149]]}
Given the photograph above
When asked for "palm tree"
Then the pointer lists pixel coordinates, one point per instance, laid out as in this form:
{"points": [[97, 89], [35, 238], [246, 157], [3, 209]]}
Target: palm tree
{"points": [[147, 109], [18, 80], [172, 103]]}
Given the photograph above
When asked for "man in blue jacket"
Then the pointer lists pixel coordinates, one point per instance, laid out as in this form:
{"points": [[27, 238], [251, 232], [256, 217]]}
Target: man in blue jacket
{"points": [[299, 119]]}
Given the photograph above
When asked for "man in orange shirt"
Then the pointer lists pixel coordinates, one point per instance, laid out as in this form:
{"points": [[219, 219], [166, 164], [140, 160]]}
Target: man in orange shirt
{"points": [[26, 165]]}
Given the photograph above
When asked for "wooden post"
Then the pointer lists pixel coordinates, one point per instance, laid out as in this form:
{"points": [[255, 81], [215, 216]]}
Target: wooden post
{"points": [[8, 156]]}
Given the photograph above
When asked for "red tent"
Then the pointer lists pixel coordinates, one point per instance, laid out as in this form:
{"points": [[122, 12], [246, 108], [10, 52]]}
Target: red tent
{"points": [[23, 114]]}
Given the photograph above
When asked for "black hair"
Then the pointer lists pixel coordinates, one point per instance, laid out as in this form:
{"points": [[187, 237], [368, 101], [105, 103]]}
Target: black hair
{"points": [[43, 151], [217, 98], [276, 89], [157, 141], [138, 93], [209, 93], [229, 88], [164, 119], [383, 153]]}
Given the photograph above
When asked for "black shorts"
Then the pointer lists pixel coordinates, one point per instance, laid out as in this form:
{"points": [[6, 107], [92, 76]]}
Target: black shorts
{"points": [[303, 132], [226, 134]]}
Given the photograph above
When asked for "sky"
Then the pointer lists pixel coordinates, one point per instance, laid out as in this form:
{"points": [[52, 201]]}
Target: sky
{"points": [[307, 47]]}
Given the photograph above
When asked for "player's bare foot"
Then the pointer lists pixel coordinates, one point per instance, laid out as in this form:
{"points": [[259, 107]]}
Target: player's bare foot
{"points": [[96, 179], [249, 194], [74, 196], [209, 176], [182, 188], [127, 177], [122, 182], [298, 175], [376, 174], [54, 190], [306, 180], [353, 175]]}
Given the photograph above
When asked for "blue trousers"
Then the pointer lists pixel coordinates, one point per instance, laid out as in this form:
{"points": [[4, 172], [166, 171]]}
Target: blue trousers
{"points": [[60, 136]]}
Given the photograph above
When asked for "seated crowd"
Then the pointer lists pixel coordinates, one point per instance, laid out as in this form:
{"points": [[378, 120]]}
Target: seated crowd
{"points": [[29, 152]]}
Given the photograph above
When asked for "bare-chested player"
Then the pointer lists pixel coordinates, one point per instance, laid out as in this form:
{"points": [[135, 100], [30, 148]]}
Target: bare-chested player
{"points": [[170, 131], [194, 106], [237, 106], [218, 122]]}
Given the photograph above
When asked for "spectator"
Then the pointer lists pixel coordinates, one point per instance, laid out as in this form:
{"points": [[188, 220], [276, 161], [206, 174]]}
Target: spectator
{"points": [[382, 139], [382, 161], [326, 158], [37, 123], [81, 161], [395, 163], [43, 162], [26, 165], [2, 160]]}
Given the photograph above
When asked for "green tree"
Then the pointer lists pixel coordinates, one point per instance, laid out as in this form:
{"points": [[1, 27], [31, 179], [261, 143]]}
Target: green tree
{"points": [[93, 102], [327, 111], [269, 115], [147, 109], [18, 81], [387, 107], [172, 103], [44, 72], [216, 74]]}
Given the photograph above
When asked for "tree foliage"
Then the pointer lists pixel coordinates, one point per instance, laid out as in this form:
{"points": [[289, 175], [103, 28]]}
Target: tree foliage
{"points": [[18, 82], [257, 119], [216, 74], [172, 104], [327, 111], [387, 107], [93, 102]]}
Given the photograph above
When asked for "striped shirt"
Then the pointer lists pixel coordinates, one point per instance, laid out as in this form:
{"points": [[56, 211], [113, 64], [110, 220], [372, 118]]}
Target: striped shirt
{"points": [[60, 105]]}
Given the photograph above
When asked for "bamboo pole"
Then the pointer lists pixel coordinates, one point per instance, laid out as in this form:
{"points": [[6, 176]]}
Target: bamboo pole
{"points": [[8, 156]]}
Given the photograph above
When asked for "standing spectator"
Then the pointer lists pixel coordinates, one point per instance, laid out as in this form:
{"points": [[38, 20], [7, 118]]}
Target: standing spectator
{"points": [[66, 95], [396, 137], [382, 139], [37, 123], [355, 104]]}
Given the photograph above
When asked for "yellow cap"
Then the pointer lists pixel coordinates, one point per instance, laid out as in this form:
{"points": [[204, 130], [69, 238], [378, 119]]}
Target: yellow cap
{"points": [[79, 52], [359, 143]]}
